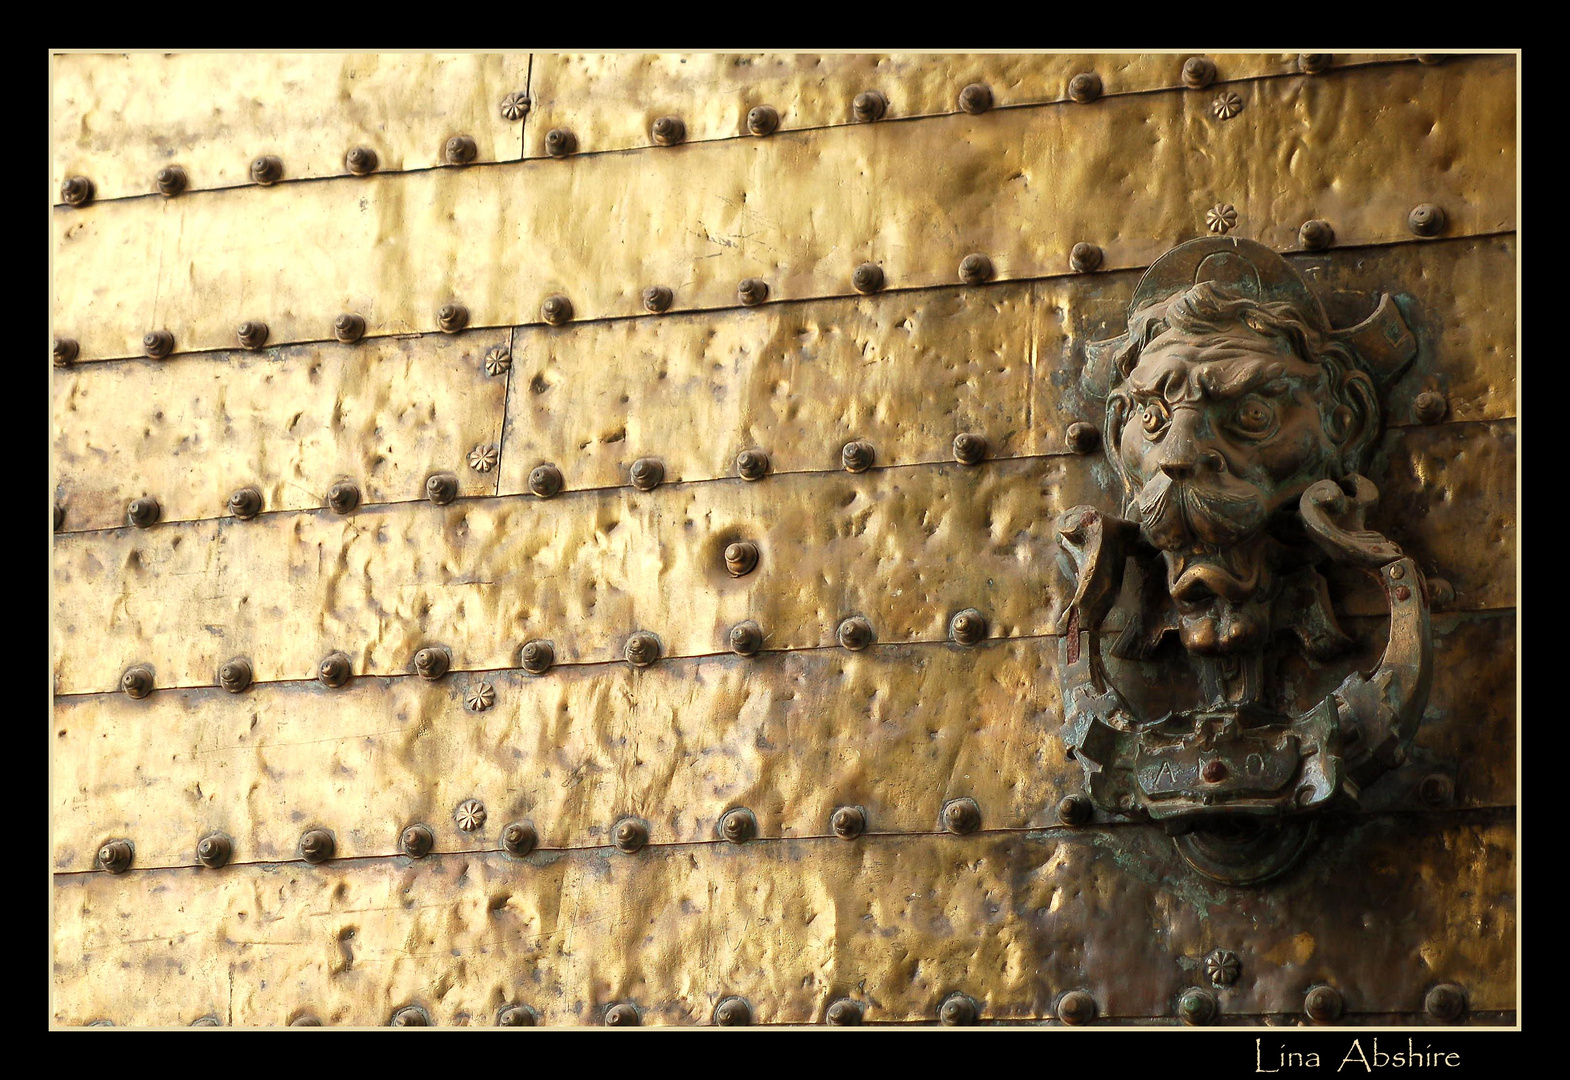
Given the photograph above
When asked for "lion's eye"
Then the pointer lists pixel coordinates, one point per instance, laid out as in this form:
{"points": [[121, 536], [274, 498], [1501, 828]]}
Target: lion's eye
{"points": [[1254, 416], [1155, 417]]}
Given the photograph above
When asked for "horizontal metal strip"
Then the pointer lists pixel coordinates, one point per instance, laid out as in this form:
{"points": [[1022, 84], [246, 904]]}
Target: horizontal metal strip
{"points": [[1134, 174], [895, 923], [897, 730], [119, 119], [906, 548], [610, 101]]}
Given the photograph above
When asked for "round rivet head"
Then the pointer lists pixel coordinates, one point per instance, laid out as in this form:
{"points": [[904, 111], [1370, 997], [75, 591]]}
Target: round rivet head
{"points": [[1436, 789], [348, 327], [410, 1016], [1082, 438], [1084, 258], [441, 488], [630, 835], [143, 512], [668, 131], [559, 142], [958, 1010], [968, 627], [214, 851], [545, 481], [158, 343], [1075, 810], [416, 841], [763, 120], [343, 497], [460, 150], [516, 1016], [498, 360], [1426, 219], [115, 856], [305, 1020], [1446, 1002], [76, 191], [752, 291], [1441, 594], [746, 638], [732, 1012], [1430, 407], [252, 335], [848, 822], [519, 838], [1213, 772], [1315, 234], [969, 448], [65, 351], [206, 1022], [1323, 1004], [361, 160], [1197, 1006], [646, 473], [235, 675], [975, 268], [843, 1013], [868, 106], [1076, 1007], [1312, 63], [867, 278], [450, 318], [432, 662], [857, 456], [556, 310], [752, 464], [245, 503], [170, 180], [621, 1015], [1085, 87], [59, 516], [469, 815], [855, 633], [483, 458], [1223, 967], [515, 106], [266, 170], [738, 825], [642, 649], [976, 98], [1431, 57], [741, 558], [317, 846], [333, 671], [537, 657], [657, 299], [961, 816], [1198, 72]]}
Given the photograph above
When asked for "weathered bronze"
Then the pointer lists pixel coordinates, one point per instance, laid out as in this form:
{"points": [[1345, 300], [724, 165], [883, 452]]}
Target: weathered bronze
{"points": [[961, 816], [622, 1014], [1081, 438], [976, 98], [1076, 1007], [349, 327], [441, 488], [1084, 258], [536, 657], [252, 335], [1445, 1002], [333, 671], [516, 1016], [752, 291], [738, 825], [1426, 219], [545, 481], [741, 558], [970, 448], [1198, 72], [1227, 105], [410, 1016], [343, 497], [855, 633], [451, 318], [416, 841], [848, 822], [1084, 87], [137, 681], [762, 120], [214, 851], [958, 1010], [479, 697], [1315, 234], [158, 343], [732, 1012], [1313, 63], [642, 649], [668, 131], [170, 180], [857, 456], [630, 835], [360, 160], [745, 638], [867, 106], [843, 1013], [867, 278], [646, 473], [752, 464], [657, 299], [498, 360], [316, 846], [1429, 407], [266, 170], [235, 675], [1323, 1004], [519, 838], [76, 191], [559, 142], [245, 503], [515, 105], [143, 512], [460, 150], [65, 351], [975, 268], [968, 627], [556, 310], [483, 458], [115, 856], [432, 662], [469, 815], [1076, 810], [1197, 1006]]}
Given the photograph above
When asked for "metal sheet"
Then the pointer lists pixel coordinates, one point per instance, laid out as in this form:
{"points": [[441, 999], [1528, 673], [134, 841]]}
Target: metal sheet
{"points": [[1134, 174], [897, 923], [119, 119], [290, 422], [610, 100], [898, 730]]}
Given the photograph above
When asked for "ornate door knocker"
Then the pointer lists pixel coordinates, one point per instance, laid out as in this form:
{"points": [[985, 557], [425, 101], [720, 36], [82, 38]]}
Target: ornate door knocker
{"points": [[1238, 421]]}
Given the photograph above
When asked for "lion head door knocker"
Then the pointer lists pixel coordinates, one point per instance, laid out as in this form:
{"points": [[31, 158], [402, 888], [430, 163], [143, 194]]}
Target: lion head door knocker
{"points": [[1238, 421]]}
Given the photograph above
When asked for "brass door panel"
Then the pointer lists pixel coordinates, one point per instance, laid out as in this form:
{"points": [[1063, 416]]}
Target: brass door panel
{"points": [[1395, 904], [119, 119], [898, 730], [290, 422], [700, 218], [610, 101]]}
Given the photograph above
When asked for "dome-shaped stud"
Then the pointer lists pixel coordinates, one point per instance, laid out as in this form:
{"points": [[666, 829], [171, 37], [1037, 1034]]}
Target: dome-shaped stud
{"points": [[642, 649], [143, 512], [1323, 1004], [1429, 407], [668, 131], [843, 1013], [1426, 219], [752, 291], [516, 1016], [416, 841], [1313, 63], [76, 191], [746, 638], [1076, 1007], [968, 627], [545, 481], [1315, 234], [622, 1015], [1431, 57], [115, 856], [65, 351], [1081, 438], [1441, 594], [343, 497], [170, 180], [441, 488], [245, 503], [536, 657], [848, 822], [410, 1016], [646, 473], [762, 120], [867, 278], [349, 327], [305, 1020], [738, 825], [855, 633], [976, 98], [252, 335], [556, 310], [975, 268], [317, 846], [1084, 87], [752, 464], [158, 343], [214, 850], [732, 1012], [958, 1010], [970, 448], [451, 318], [519, 838], [59, 516], [741, 558], [333, 671], [1084, 258], [867, 106], [630, 835], [559, 142], [470, 815], [266, 170], [1223, 967], [857, 456], [235, 675], [460, 150], [1075, 810], [657, 299], [1445, 1002], [1198, 72], [361, 160], [432, 662], [961, 816], [1197, 1006]]}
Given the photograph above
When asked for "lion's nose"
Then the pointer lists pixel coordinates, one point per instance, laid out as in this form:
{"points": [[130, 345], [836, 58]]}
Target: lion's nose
{"points": [[1185, 450]]}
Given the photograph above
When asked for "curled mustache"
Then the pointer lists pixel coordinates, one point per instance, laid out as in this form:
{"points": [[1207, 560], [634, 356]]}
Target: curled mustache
{"points": [[1174, 514]]}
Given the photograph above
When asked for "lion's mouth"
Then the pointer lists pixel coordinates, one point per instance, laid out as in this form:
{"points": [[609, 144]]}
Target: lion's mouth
{"points": [[1201, 578], [1174, 514]]}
